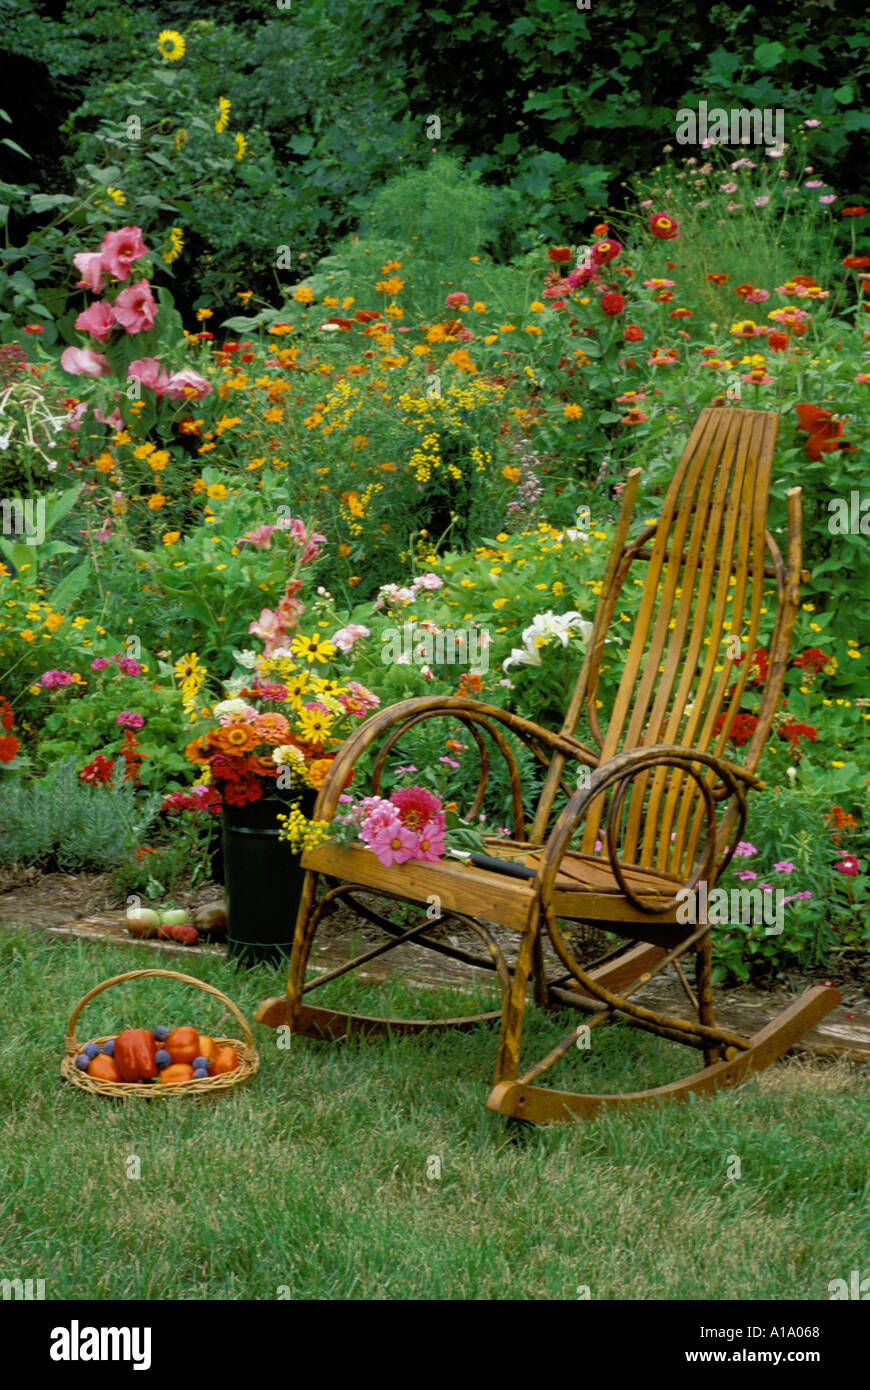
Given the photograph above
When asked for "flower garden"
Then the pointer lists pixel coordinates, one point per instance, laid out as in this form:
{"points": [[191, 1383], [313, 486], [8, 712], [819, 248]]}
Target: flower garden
{"points": [[243, 514]]}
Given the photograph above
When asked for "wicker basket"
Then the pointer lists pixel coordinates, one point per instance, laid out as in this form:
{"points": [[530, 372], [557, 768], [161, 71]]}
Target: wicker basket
{"points": [[249, 1061]]}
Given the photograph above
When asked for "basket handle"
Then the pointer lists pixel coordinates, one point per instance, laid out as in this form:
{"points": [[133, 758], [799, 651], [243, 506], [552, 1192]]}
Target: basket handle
{"points": [[70, 1039]]}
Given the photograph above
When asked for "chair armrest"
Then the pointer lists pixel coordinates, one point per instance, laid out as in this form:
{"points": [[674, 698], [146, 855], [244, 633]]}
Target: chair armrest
{"points": [[387, 726], [618, 772]]}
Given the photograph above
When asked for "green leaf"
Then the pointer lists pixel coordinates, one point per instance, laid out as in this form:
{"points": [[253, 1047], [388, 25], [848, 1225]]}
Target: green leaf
{"points": [[844, 95], [70, 587], [44, 202], [301, 144], [13, 146], [769, 55], [59, 507]]}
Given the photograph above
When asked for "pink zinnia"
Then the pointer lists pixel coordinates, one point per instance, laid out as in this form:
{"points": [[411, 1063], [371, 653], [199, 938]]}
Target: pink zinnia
{"points": [[127, 720], [457, 297], [416, 806], [120, 249], [136, 311]]}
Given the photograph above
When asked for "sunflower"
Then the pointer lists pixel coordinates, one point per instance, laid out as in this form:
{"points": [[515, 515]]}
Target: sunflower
{"points": [[223, 119], [171, 45]]}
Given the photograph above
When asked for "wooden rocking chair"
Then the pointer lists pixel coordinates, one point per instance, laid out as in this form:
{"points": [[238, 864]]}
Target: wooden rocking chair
{"points": [[659, 792]]}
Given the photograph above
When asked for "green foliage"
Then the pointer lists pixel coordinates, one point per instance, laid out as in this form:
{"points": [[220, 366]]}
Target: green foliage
{"points": [[60, 822]]}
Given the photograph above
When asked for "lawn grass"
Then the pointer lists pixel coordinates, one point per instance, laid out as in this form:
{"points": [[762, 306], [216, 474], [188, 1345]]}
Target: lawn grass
{"points": [[312, 1179]]}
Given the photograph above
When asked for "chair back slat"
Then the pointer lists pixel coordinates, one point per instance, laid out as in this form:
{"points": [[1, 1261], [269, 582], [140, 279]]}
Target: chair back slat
{"points": [[684, 674]]}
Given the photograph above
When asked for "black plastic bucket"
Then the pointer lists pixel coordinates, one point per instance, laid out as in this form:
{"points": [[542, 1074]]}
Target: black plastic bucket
{"points": [[262, 881]]}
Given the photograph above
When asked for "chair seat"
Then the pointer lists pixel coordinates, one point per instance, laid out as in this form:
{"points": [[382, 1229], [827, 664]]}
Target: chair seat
{"points": [[585, 889]]}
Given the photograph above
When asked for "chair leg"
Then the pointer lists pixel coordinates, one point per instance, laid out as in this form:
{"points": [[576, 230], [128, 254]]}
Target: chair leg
{"points": [[508, 1058], [704, 984]]}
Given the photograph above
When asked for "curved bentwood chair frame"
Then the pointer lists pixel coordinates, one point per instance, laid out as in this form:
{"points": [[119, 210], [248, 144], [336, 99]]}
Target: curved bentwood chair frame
{"points": [[659, 793]]}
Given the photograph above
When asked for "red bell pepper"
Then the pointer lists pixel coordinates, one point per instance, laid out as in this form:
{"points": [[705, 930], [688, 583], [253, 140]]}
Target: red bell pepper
{"points": [[135, 1055]]}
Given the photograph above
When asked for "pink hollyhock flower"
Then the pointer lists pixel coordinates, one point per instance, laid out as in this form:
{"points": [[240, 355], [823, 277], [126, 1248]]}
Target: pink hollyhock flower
{"points": [[90, 263], [84, 362], [394, 844], [135, 309], [114, 419], [98, 320], [120, 249], [181, 382], [457, 297], [261, 537], [149, 372], [430, 846]]}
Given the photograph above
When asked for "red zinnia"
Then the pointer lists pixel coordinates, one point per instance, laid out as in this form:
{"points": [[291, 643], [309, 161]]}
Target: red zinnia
{"points": [[558, 254], [821, 427], [856, 262], [663, 227], [99, 770], [633, 333], [811, 660], [853, 212], [9, 746], [608, 250], [717, 278], [794, 732], [612, 303], [777, 342]]}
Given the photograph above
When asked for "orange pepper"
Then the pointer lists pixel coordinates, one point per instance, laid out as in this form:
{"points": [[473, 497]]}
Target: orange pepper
{"points": [[181, 1071], [104, 1068], [225, 1059], [182, 1044], [207, 1047]]}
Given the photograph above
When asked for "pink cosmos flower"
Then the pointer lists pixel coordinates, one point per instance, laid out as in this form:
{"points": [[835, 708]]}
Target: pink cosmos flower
{"points": [[120, 249], [430, 846], [149, 372], [135, 309], [84, 362], [90, 264], [394, 844], [180, 382], [98, 320]]}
